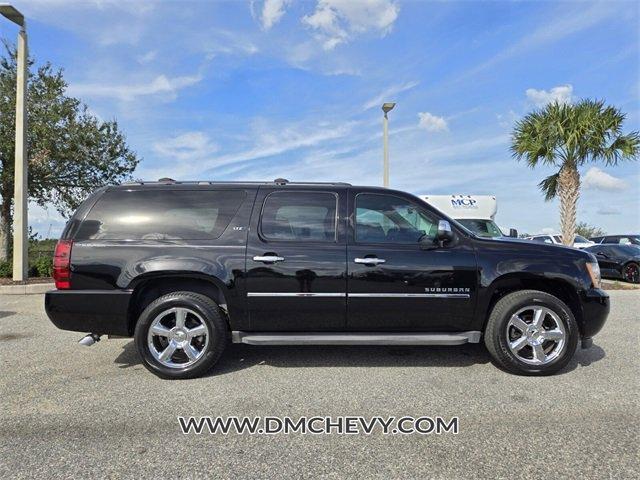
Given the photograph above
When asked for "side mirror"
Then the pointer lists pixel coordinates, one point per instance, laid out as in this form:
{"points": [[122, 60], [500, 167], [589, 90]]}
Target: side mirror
{"points": [[445, 234], [513, 233]]}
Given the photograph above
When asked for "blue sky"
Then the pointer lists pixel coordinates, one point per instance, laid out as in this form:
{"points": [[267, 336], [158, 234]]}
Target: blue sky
{"points": [[259, 90]]}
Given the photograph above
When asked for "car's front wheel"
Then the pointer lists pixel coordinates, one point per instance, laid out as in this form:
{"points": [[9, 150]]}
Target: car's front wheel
{"points": [[531, 333], [180, 335], [631, 272]]}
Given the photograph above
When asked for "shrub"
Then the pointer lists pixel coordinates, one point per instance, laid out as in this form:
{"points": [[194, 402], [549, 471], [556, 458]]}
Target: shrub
{"points": [[6, 268], [42, 267]]}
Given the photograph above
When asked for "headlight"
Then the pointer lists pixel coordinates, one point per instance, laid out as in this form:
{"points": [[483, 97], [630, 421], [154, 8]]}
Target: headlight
{"points": [[594, 272]]}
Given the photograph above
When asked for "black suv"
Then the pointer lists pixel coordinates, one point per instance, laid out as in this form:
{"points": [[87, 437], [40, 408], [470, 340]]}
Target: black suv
{"points": [[184, 267]]}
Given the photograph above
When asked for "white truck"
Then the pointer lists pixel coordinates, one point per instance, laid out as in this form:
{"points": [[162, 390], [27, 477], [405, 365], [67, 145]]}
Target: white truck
{"points": [[476, 212]]}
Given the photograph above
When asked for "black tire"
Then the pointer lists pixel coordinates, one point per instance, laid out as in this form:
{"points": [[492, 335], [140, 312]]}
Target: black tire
{"points": [[210, 314], [495, 334], [631, 272]]}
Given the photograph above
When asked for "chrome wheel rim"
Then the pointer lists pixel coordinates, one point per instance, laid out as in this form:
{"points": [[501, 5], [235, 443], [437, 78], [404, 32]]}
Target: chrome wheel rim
{"points": [[178, 337], [632, 273], [536, 335]]}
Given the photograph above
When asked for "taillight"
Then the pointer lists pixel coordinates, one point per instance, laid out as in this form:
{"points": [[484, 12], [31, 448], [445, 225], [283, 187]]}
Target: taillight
{"points": [[62, 264]]}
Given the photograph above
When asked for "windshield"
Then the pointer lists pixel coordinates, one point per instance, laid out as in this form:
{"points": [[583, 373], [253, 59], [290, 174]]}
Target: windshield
{"points": [[482, 228], [581, 239]]}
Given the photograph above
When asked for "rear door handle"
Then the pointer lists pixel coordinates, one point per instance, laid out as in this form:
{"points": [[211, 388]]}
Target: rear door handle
{"points": [[369, 260], [268, 258]]}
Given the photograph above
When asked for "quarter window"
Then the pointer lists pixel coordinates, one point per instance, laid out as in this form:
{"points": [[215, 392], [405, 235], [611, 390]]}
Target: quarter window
{"points": [[161, 214], [300, 216], [391, 219]]}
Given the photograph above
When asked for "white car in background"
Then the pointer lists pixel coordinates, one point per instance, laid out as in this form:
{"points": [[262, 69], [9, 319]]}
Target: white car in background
{"points": [[578, 242]]}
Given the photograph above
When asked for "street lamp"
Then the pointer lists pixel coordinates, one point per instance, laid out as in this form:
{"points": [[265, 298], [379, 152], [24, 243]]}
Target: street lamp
{"points": [[20, 221], [386, 108]]}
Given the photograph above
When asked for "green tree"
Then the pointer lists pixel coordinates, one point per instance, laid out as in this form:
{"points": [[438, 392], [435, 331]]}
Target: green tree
{"points": [[566, 137], [70, 152], [588, 231]]}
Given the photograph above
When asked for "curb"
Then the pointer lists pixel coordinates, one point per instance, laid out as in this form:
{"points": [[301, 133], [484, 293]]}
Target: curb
{"points": [[34, 288]]}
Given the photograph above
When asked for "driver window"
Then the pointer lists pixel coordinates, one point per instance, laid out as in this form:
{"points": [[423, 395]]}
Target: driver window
{"points": [[391, 219]]}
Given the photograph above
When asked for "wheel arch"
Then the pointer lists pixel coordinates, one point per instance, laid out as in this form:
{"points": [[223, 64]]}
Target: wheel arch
{"points": [[147, 288], [557, 287]]}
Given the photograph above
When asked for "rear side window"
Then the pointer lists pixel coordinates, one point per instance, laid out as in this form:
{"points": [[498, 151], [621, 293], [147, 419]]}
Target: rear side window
{"points": [[299, 216], [161, 215]]}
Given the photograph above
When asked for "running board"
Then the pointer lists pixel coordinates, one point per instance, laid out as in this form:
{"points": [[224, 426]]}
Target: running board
{"points": [[269, 338]]}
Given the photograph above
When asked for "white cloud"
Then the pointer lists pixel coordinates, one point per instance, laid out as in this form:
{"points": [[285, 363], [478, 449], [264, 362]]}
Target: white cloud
{"points": [[608, 211], [272, 12], [150, 56], [387, 95], [432, 123], [560, 94], [596, 179], [159, 85], [338, 21], [506, 120], [188, 146], [551, 30]]}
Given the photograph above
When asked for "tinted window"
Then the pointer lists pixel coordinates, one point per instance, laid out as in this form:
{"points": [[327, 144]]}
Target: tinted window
{"points": [[161, 215], [625, 250], [300, 216], [390, 219], [542, 239]]}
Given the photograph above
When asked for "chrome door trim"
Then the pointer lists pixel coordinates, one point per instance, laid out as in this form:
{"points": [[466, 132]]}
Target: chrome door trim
{"points": [[359, 295], [296, 294], [410, 295]]}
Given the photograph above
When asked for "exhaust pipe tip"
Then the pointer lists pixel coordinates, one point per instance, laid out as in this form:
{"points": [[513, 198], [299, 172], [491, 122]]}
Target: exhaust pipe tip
{"points": [[89, 339]]}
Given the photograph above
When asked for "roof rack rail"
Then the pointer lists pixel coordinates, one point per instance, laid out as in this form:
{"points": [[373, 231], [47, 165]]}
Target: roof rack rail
{"points": [[277, 181]]}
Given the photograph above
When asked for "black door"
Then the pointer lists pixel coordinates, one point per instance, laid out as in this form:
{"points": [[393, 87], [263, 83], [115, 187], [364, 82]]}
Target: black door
{"points": [[608, 261], [395, 285], [296, 260]]}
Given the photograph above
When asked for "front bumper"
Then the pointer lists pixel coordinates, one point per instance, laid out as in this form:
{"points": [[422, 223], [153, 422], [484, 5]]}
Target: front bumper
{"points": [[95, 311], [595, 309]]}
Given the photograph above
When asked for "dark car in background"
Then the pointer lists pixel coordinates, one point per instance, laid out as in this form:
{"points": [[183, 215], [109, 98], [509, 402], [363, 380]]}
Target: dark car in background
{"points": [[629, 239], [618, 261]]}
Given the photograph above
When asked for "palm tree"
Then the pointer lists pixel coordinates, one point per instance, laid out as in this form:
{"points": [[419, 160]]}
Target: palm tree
{"points": [[567, 136]]}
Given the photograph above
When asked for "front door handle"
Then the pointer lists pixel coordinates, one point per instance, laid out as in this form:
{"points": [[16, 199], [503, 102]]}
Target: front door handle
{"points": [[369, 260], [268, 258]]}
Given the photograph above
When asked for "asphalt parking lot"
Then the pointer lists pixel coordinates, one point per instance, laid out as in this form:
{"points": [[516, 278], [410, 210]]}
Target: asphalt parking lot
{"points": [[74, 412]]}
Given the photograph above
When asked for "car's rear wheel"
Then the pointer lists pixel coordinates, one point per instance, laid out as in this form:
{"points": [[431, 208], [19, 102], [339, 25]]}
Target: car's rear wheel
{"points": [[631, 272], [531, 333], [181, 335]]}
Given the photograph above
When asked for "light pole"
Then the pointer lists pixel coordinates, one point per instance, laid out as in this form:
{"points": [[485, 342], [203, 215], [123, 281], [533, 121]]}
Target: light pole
{"points": [[386, 108], [20, 220]]}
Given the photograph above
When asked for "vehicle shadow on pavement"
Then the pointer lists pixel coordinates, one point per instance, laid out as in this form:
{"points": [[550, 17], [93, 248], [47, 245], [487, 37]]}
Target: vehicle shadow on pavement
{"points": [[240, 357], [584, 358]]}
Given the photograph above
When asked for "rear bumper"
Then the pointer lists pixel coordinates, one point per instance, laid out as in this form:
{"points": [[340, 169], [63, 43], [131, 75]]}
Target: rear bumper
{"points": [[95, 311], [595, 310]]}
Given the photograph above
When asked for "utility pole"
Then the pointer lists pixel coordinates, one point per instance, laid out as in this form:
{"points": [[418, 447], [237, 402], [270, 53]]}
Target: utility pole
{"points": [[386, 108], [20, 219]]}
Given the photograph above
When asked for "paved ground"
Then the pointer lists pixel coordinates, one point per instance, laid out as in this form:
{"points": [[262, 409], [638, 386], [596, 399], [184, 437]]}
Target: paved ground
{"points": [[73, 412]]}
